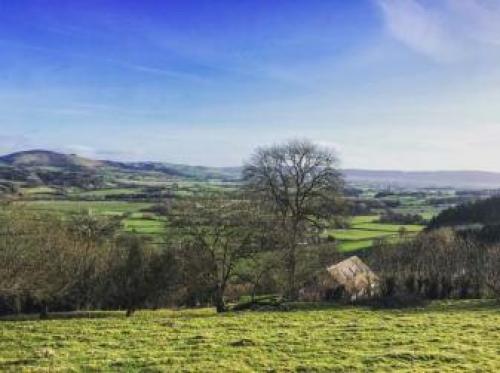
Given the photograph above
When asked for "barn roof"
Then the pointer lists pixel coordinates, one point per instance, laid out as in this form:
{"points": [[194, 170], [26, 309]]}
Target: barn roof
{"points": [[350, 270]]}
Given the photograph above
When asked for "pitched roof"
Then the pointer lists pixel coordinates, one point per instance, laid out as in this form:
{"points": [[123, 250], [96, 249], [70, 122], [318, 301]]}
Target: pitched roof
{"points": [[352, 272]]}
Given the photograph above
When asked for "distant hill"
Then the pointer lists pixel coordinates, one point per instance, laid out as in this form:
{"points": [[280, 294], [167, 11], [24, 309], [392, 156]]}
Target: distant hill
{"points": [[203, 172], [41, 167], [456, 179], [35, 163], [32, 161], [44, 158]]}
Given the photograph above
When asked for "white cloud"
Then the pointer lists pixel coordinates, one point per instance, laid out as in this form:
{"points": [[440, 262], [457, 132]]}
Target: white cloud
{"points": [[418, 27], [443, 30]]}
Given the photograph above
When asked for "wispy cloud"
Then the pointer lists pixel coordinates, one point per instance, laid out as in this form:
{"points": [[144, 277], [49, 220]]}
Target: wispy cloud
{"points": [[169, 73], [419, 28], [443, 30]]}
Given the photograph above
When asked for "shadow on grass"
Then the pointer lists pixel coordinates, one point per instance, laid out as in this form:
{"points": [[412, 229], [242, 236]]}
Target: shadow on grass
{"points": [[9, 364], [465, 305], [373, 305], [279, 305], [65, 316], [412, 305]]}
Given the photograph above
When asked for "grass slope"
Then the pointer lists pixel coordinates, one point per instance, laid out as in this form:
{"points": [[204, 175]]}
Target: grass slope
{"points": [[446, 336]]}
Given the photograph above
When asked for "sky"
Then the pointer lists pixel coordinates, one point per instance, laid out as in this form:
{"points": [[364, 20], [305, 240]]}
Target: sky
{"points": [[388, 84]]}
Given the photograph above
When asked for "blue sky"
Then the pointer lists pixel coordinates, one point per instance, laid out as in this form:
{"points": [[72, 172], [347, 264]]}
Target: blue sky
{"points": [[390, 84]]}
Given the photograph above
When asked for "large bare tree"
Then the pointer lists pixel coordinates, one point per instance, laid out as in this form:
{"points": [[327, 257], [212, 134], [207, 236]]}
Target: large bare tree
{"points": [[301, 185]]}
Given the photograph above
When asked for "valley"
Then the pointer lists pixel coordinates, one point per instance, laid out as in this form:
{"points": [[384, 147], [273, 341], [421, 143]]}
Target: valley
{"points": [[137, 194]]}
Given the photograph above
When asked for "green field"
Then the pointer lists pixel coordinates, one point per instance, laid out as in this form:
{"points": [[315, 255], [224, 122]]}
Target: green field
{"points": [[364, 230], [133, 219], [144, 226], [38, 190], [361, 234], [445, 336], [109, 192], [354, 245], [393, 228], [96, 207], [427, 212], [355, 234]]}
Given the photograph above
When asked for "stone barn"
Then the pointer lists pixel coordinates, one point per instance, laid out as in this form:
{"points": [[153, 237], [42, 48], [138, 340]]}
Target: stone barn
{"points": [[351, 279]]}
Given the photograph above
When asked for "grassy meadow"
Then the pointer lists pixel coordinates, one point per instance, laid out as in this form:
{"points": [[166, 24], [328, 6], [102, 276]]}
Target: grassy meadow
{"points": [[446, 336]]}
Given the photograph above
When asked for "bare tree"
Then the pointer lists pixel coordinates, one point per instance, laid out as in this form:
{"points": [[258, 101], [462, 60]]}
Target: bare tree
{"points": [[435, 264], [44, 259], [47, 261], [37, 255], [91, 233], [301, 186], [492, 270], [214, 234]]}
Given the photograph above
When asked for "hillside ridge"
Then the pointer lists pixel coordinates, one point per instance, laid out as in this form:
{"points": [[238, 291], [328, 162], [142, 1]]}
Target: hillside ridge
{"points": [[39, 158]]}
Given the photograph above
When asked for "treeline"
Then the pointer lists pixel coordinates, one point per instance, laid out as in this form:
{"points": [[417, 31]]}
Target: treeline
{"points": [[484, 212], [76, 262], [219, 249], [457, 256], [392, 217], [367, 206], [436, 265]]}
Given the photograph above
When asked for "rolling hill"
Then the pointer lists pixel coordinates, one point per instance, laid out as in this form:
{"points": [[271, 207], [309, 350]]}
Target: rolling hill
{"points": [[32, 162], [45, 158]]}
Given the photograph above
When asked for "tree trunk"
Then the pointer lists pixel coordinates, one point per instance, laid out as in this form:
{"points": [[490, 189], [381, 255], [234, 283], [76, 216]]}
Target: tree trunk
{"points": [[130, 312], [294, 237], [220, 306], [44, 312], [291, 291]]}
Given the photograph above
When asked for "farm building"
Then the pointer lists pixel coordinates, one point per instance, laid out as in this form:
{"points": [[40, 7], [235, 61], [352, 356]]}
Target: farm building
{"points": [[350, 279]]}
